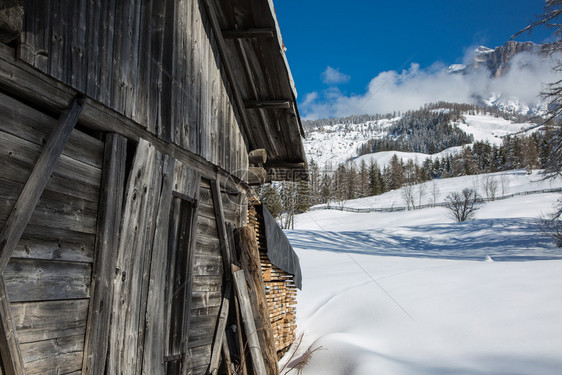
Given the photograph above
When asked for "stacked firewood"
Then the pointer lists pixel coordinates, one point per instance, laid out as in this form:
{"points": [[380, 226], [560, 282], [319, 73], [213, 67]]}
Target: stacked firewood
{"points": [[280, 289]]}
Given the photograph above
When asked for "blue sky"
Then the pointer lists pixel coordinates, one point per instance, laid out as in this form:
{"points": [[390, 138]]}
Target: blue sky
{"points": [[337, 48]]}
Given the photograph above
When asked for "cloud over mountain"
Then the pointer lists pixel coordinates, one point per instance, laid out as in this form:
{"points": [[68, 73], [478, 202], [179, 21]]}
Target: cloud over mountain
{"points": [[524, 79]]}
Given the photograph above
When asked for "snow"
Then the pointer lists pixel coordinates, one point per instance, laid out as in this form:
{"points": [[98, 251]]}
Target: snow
{"points": [[514, 182], [416, 293], [336, 144], [490, 128]]}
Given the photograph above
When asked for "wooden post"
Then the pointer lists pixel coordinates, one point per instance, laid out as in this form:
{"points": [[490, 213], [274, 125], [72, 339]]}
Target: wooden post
{"points": [[109, 219], [257, 157], [221, 227], [220, 331], [248, 322], [10, 354], [250, 262]]}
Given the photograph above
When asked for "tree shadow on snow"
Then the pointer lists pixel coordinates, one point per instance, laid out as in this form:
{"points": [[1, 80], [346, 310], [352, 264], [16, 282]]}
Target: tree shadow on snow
{"points": [[517, 239]]}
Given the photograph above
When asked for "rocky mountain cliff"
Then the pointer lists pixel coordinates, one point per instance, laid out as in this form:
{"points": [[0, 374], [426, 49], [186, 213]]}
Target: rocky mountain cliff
{"points": [[496, 60]]}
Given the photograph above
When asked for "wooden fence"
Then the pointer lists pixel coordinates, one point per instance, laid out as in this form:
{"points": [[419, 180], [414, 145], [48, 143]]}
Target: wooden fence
{"points": [[430, 205]]}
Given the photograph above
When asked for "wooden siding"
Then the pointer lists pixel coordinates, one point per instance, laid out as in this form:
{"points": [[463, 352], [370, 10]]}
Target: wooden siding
{"points": [[156, 62], [48, 277]]}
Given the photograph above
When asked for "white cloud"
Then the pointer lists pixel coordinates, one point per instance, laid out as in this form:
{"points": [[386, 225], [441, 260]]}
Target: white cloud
{"points": [[332, 76], [413, 87]]}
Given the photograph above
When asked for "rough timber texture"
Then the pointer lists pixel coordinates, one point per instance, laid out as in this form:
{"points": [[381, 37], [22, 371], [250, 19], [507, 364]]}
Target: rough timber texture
{"points": [[156, 62], [47, 279]]}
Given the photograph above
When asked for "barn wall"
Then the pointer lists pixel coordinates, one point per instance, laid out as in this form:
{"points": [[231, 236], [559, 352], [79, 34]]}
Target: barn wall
{"points": [[156, 62], [48, 277]]}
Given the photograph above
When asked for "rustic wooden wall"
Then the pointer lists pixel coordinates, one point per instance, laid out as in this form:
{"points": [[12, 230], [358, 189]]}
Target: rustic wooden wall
{"points": [[48, 276], [156, 62]]}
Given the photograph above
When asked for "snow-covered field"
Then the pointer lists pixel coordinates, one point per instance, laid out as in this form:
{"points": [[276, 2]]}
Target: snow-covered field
{"points": [[415, 293]]}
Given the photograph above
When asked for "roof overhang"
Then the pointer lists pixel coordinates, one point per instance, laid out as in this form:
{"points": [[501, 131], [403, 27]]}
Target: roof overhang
{"points": [[253, 53]]}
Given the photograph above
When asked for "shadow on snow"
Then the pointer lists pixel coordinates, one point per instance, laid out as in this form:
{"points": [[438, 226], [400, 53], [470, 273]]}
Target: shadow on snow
{"points": [[517, 239]]}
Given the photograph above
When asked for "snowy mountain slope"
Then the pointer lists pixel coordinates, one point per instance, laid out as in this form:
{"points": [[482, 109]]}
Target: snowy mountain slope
{"points": [[336, 144], [411, 293]]}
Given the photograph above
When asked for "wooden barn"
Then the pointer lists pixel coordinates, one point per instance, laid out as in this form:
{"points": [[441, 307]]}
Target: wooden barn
{"points": [[131, 133]]}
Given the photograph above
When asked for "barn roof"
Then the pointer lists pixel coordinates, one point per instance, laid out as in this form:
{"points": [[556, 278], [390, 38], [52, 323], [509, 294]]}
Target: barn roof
{"points": [[253, 52]]}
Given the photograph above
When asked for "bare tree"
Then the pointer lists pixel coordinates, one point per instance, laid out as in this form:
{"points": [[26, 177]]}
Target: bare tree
{"points": [[421, 190], [490, 186], [553, 94], [504, 183], [463, 205], [551, 225], [408, 196], [434, 192]]}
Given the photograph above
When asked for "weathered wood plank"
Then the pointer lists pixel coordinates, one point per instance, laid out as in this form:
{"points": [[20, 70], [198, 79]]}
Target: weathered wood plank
{"points": [[155, 335], [250, 262], [23, 80], [207, 265], [37, 280], [23, 209], [70, 214], [248, 321], [39, 321], [27, 123], [220, 331], [221, 227], [136, 240], [92, 43], [40, 242], [10, 351], [69, 177], [199, 356], [111, 202], [52, 357]]}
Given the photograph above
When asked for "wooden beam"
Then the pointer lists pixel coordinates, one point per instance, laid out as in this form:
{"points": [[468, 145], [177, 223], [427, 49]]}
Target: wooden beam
{"points": [[248, 321], [250, 262], [248, 33], [258, 156], [267, 104], [26, 82], [38, 179], [109, 219], [256, 175], [220, 331], [10, 353], [215, 25], [221, 228]]}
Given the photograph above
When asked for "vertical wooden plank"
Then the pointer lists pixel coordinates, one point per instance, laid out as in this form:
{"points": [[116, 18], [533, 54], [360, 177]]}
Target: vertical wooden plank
{"points": [[220, 331], [196, 185], [10, 353], [155, 337], [221, 227], [154, 95], [77, 77], [105, 75], [145, 64], [44, 167], [248, 321], [109, 218], [250, 262], [136, 239], [167, 107], [93, 21]]}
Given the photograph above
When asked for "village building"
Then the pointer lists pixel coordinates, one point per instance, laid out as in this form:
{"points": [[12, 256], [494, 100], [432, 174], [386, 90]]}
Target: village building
{"points": [[131, 135]]}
